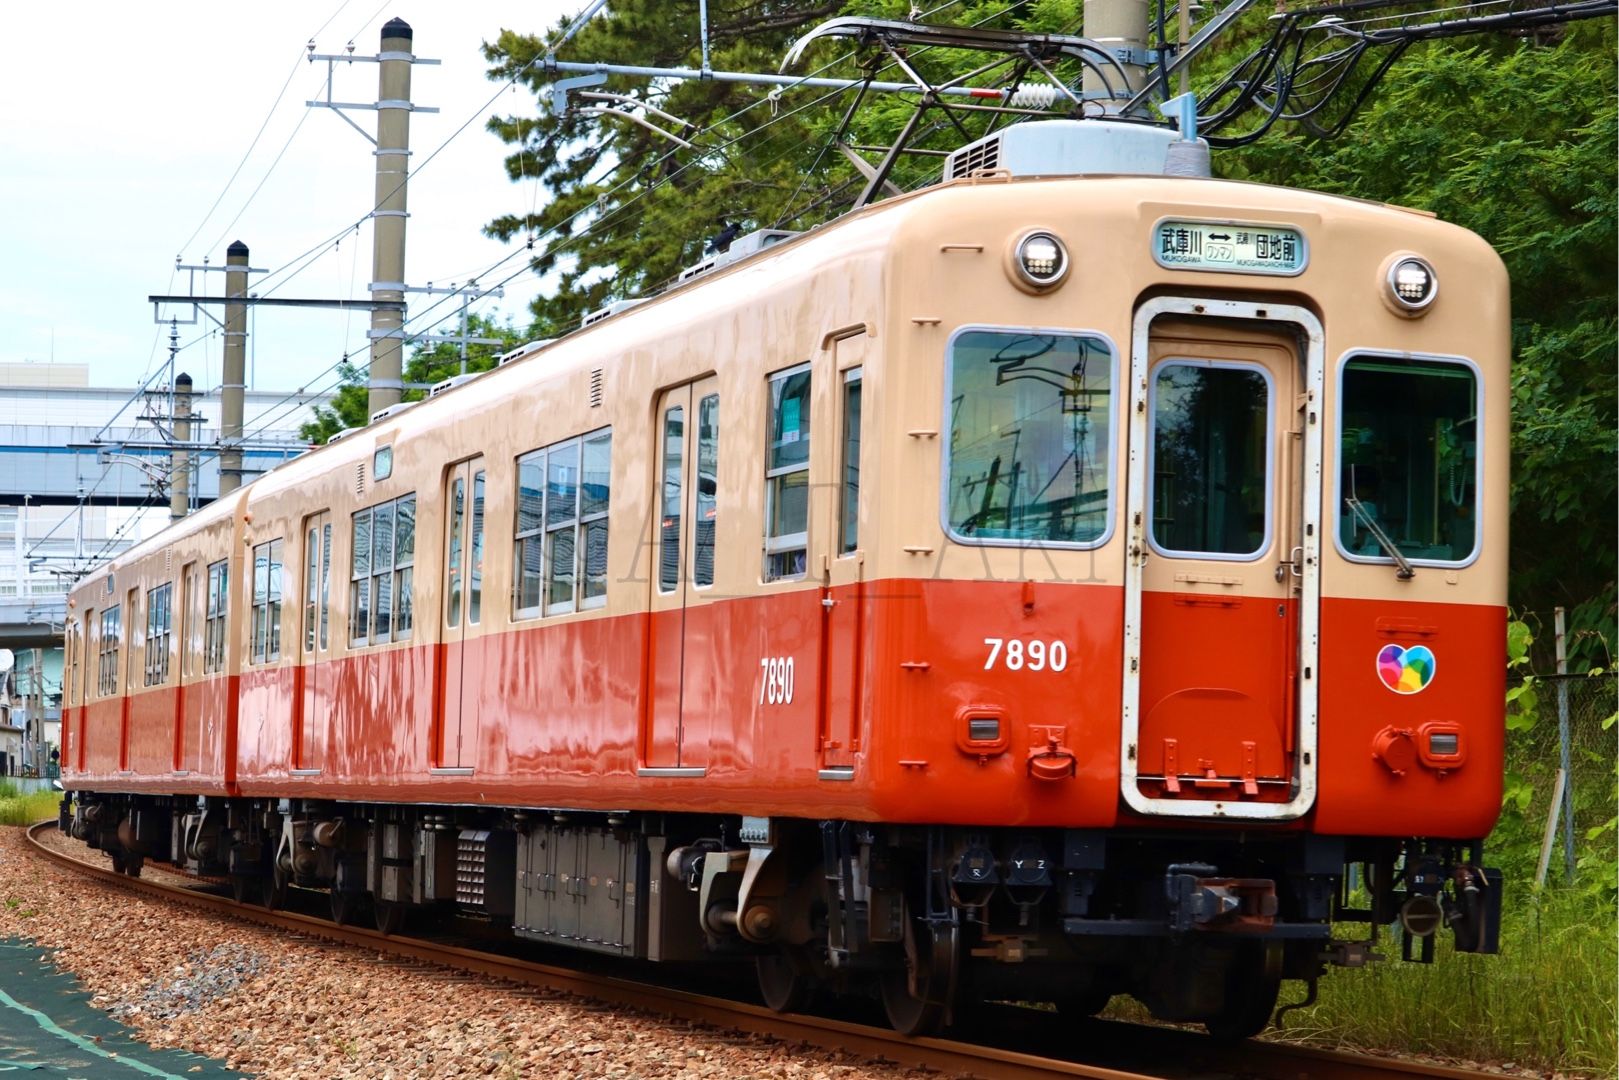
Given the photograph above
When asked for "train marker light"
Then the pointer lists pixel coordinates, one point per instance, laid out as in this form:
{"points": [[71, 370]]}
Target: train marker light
{"points": [[1411, 285], [1041, 260]]}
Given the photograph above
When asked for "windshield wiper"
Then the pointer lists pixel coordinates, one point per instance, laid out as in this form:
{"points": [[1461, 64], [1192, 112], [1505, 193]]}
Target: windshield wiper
{"points": [[1405, 570]]}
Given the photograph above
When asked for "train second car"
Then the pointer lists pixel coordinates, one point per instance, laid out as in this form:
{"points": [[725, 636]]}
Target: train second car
{"points": [[1051, 584]]}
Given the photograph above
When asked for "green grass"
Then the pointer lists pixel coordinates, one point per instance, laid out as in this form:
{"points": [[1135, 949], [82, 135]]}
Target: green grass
{"points": [[17, 808], [1547, 1001]]}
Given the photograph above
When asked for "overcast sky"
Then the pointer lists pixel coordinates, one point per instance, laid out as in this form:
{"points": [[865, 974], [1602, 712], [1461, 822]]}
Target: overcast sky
{"points": [[120, 124]]}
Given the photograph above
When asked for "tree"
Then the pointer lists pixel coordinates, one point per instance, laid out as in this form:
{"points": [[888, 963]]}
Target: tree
{"points": [[1503, 135], [427, 365]]}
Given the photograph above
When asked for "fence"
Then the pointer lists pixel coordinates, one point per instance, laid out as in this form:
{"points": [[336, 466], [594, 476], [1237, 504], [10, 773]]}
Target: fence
{"points": [[1534, 756]]}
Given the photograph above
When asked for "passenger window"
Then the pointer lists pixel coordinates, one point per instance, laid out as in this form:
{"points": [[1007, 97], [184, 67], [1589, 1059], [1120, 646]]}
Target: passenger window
{"points": [[380, 580], [559, 548], [475, 559], [159, 623], [787, 456], [458, 498], [674, 443], [849, 502], [267, 602], [1210, 459], [1030, 438], [1408, 444], [213, 656], [107, 658], [705, 487]]}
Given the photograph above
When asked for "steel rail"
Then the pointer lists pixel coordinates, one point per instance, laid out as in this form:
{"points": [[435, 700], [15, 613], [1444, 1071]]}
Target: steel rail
{"points": [[1257, 1059]]}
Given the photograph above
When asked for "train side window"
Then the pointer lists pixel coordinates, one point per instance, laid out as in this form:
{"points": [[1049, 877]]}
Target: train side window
{"points": [[1029, 450], [190, 624], [107, 658], [213, 645], [849, 503], [475, 552], [674, 453], [382, 572], [559, 543], [529, 537], [595, 494], [787, 457], [1409, 459], [705, 488], [383, 555], [404, 566], [267, 568], [159, 627], [452, 565]]}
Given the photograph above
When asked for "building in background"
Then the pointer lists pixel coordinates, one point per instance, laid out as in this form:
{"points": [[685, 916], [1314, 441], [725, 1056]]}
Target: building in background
{"points": [[84, 475]]}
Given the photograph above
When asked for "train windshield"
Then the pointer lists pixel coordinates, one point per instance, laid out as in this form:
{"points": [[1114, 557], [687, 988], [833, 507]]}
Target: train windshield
{"points": [[1408, 437], [1030, 429]]}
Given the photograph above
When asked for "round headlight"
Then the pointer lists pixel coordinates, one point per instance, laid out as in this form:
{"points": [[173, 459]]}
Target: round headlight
{"points": [[1041, 259], [1412, 284]]}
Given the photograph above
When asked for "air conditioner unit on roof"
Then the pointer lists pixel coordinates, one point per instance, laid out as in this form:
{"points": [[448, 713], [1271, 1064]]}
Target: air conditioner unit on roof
{"points": [[393, 410], [452, 382], [523, 350], [1066, 148], [743, 246], [611, 309]]}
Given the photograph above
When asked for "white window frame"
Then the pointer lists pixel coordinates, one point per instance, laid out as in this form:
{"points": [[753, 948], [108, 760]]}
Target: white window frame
{"points": [[784, 542]]}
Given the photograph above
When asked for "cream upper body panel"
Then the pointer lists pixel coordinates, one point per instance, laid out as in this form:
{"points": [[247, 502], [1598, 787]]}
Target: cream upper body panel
{"points": [[951, 269]]}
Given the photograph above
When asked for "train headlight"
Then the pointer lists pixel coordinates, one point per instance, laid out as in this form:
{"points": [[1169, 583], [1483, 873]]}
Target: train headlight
{"points": [[1410, 285], [1039, 261]]}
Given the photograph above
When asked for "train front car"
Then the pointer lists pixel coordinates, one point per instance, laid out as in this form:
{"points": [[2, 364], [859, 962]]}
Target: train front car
{"points": [[1193, 642]]}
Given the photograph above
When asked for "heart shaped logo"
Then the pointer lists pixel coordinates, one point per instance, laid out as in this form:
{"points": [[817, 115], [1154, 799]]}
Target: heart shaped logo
{"points": [[1406, 671]]}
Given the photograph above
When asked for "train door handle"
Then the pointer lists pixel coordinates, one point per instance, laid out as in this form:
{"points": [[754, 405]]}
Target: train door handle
{"points": [[1293, 564]]}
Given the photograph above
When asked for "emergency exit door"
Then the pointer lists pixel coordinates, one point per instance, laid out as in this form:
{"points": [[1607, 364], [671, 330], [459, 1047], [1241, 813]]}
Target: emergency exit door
{"points": [[1222, 584]]}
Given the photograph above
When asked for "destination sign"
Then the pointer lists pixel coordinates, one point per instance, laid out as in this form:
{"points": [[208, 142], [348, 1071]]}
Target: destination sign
{"points": [[1229, 247]]}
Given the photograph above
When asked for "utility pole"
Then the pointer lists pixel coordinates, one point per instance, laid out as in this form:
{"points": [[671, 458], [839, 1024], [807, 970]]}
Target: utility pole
{"points": [[1120, 27], [180, 459], [234, 384], [389, 216]]}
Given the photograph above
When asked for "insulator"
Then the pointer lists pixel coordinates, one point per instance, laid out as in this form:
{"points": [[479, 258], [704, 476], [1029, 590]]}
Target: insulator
{"points": [[1033, 96]]}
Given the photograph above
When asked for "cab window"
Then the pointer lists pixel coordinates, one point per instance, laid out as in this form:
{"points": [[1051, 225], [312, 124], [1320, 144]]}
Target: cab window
{"points": [[1029, 417], [1408, 459]]}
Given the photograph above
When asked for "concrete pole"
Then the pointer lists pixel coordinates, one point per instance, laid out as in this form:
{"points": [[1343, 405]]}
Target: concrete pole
{"points": [[235, 381], [1120, 26], [180, 460], [388, 219]]}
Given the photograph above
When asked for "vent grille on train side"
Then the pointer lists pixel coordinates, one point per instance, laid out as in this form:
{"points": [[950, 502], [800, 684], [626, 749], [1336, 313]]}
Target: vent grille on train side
{"points": [[359, 479], [470, 866], [970, 159], [595, 388]]}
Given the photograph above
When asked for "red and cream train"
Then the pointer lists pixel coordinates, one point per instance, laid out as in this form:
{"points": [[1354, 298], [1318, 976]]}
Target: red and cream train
{"points": [[1037, 584]]}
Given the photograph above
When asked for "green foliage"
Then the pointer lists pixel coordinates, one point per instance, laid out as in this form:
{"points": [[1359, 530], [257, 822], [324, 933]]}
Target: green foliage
{"points": [[428, 364], [1517, 142], [18, 808]]}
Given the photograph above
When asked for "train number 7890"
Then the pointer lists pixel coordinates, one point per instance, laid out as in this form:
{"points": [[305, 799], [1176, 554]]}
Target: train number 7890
{"points": [[1015, 654]]}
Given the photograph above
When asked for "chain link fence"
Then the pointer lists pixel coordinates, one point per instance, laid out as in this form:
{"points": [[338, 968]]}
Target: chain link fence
{"points": [[1535, 754]]}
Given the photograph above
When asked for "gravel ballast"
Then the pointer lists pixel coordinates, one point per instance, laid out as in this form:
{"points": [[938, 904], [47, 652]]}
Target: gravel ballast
{"points": [[285, 1007]]}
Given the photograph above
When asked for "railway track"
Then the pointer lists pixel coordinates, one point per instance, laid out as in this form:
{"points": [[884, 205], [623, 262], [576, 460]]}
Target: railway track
{"points": [[1110, 1050]]}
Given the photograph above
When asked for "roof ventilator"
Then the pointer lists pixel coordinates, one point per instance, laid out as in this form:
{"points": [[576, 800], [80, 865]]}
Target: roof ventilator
{"points": [[739, 249], [523, 350], [452, 382]]}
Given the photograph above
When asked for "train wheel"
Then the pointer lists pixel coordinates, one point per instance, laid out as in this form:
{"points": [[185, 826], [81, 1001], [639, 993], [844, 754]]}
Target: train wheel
{"points": [[389, 915], [1251, 987], [784, 981], [930, 962], [346, 906]]}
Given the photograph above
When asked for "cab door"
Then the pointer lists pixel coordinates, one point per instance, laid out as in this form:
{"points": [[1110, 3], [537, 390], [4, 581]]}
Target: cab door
{"points": [[460, 651], [1222, 582], [314, 671], [685, 641]]}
